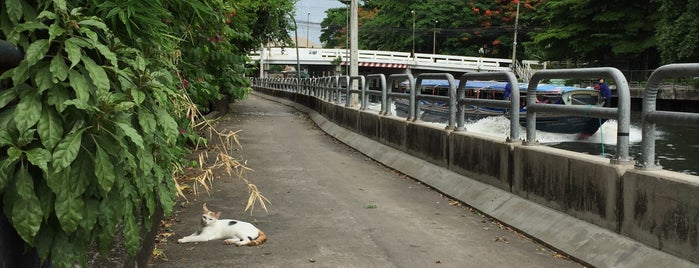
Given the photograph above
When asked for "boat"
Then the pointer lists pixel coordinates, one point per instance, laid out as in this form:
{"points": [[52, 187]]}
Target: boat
{"points": [[432, 111]]}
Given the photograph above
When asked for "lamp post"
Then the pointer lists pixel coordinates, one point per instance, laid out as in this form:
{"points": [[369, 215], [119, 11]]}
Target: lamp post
{"points": [[413, 12], [308, 27], [434, 38], [514, 43]]}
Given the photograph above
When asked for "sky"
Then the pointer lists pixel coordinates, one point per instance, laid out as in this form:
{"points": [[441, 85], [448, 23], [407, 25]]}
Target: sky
{"points": [[309, 14]]}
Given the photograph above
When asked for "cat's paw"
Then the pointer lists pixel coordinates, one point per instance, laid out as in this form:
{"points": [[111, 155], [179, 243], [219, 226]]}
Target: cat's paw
{"points": [[229, 241], [240, 243], [181, 241]]}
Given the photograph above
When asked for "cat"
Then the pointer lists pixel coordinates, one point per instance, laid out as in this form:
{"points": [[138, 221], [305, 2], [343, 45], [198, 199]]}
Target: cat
{"points": [[235, 232]]}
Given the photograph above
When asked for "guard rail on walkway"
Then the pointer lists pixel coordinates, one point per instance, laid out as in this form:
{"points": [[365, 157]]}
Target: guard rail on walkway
{"points": [[337, 88]]}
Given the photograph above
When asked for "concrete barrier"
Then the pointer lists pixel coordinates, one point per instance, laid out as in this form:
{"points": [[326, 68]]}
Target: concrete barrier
{"points": [[661, 209], [538, 189]]}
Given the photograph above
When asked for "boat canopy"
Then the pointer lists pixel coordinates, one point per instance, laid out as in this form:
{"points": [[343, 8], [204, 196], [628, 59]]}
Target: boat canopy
{"points": [[498, 86]]}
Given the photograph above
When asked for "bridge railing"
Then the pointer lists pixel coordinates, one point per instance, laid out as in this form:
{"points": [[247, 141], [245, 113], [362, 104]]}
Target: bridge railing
{"points": [[325, 56]]}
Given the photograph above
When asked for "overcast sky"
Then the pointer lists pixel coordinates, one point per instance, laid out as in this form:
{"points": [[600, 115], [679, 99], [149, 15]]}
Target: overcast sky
{"points": [[309, 14]]}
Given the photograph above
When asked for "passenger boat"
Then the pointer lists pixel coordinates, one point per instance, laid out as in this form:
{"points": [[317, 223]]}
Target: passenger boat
{"points": [[545, 93]]}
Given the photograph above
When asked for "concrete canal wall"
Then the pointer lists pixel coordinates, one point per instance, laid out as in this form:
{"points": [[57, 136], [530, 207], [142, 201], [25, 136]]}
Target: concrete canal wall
{"points": [[561, 198]]}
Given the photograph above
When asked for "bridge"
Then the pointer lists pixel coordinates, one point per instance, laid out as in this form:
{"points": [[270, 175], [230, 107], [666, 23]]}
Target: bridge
{"points": [[387, 59], [605, 212]]}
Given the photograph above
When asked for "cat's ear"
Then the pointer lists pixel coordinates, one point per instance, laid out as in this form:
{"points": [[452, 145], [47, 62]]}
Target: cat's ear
{"points": [[218, 215], [206, 210]]}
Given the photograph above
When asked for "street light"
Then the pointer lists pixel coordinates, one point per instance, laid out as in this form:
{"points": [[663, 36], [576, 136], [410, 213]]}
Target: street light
{"points": [[308, 27], [434, 37], [413, 12]]}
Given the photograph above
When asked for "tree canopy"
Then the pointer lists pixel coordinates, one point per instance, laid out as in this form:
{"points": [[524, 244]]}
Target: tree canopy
{"points": [[626, 34]]}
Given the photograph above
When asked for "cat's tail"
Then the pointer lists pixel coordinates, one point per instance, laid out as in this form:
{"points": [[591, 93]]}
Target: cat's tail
{"points": [[261, 238]]}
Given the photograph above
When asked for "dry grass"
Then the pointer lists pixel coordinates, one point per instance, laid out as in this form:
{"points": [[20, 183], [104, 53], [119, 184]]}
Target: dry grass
{"points": [[212, 157]]}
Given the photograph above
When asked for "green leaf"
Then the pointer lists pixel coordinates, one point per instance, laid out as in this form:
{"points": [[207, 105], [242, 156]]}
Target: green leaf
{"points": [[108, 54], [57, 96], [47, 14], [124, 106], [28, 111], [43, 79], [58, 68], [104, 170], [73, 50], [7, 171], [44, 241], [13, 154], [69, 210], [31, 26], [26, 212], [5, 138], [138, 96], [61, 5], [97, 74], [36, 51], [95, 23], [90, 214], [80, 104], [132, 134], [147, 122], [168, 124], [39, 157], [131, 231], [80, 85], [7, 96], [14, 10], [67, 150], [50, 128], [55, 30], [20, 73]]}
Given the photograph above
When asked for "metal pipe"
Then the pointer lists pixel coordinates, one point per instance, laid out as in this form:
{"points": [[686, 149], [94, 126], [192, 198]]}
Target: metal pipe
{"points": [[514, 103], [650, 116], [452, 95], [623, 110]]}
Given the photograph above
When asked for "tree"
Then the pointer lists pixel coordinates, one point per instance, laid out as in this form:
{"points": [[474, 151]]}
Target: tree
{"points": [[594, 32], [334, 28], [678, 31]]}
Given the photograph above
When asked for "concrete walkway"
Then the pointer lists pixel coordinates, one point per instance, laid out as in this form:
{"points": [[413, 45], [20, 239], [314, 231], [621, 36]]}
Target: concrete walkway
{"points": [[334, 207]]}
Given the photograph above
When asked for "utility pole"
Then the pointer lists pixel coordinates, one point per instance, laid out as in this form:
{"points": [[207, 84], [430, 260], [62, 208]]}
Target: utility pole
{"points": [[514, 43], [354, 50], [434, 38], [413, 51], [308, 27]]}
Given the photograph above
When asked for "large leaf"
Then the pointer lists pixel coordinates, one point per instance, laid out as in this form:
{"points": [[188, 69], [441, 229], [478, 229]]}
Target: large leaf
{"points": [[20, 73], [14, 10], [28, 111], [67, 150], [26, 212], [43, 78], [80, 85], [36, 51], [58, 68], [69, 210], [6, 96], [104, 170], [50, 128], [131, 230], [73, 50], [39, 157], [132, 134], [96, 73], [7, 171]]}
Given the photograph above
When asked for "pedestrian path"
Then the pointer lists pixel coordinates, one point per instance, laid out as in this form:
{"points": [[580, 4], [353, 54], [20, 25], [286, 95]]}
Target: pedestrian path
{"points": [[334, 207]]}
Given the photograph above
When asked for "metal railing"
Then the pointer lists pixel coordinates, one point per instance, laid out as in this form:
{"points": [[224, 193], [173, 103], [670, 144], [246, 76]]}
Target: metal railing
{"points": [[650, 116], [622, 112], [330, 88]]}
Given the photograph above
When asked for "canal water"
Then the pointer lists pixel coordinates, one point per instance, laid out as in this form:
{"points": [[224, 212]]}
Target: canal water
{"points": [[676, 147]]}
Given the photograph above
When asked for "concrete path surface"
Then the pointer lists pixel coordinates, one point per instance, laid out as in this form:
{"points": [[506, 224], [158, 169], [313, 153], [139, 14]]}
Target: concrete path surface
{"points": [[334, 207]]}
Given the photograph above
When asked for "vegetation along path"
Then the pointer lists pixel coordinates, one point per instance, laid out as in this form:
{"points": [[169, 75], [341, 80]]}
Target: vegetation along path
{"points": [[334, 207]]}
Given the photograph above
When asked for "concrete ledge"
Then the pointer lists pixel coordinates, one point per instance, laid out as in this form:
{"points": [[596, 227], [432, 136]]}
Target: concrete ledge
{"points": [[584, 241]]}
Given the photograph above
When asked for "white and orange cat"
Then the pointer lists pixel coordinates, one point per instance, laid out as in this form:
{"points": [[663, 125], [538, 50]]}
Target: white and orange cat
{"points": [[234, 232]]}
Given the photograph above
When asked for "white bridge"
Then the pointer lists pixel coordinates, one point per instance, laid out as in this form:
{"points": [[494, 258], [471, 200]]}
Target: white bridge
{"points": [[387, 59]]}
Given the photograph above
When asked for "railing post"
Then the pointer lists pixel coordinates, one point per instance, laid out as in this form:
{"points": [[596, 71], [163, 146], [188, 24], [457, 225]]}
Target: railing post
{"points": [[650, 116], [514, 103]]}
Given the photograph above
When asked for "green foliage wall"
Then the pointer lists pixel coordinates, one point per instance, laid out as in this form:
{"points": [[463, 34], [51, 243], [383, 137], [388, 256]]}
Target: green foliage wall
{"points": [[92, 120]]}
